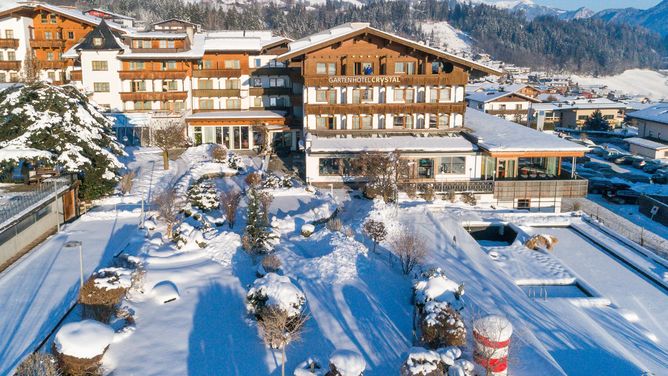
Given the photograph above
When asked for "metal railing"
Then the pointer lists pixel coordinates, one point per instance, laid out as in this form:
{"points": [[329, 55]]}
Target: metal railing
{"points": [[20, 203]]}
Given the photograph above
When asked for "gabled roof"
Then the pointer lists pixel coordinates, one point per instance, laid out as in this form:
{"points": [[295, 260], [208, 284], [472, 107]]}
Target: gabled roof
{"points": [[63, 11], [109, 41], [657, 113], [177, 20], [112, 14], [348, 30], [492, 95], [649, 144]]}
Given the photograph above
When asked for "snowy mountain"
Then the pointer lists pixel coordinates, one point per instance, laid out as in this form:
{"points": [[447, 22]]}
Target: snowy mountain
{"points": [[59, 127], [443, 35], [532, 10], [655, 18]]}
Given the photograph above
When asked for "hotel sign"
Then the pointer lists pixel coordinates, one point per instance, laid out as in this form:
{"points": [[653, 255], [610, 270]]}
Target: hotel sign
{"points": [[371, 80]]}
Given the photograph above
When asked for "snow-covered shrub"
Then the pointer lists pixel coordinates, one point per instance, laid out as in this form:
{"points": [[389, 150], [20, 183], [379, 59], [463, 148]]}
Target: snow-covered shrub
{"points": [[253, 179], [186, 233], [469, 198], [103, 291], [346, 363], [234, 161], [410, 248], [273, 181], [276, 292], [441, 325], [375, 230], [423, 362], [127, 182], [61, 127], [307, 230], [79, 346], [540, 241], [257, 239], [435, 286], [462, 367], [39, 364], [309, 367], [219, 153], [334, 225], [229, 202], [204, 196], [429, 193], [411, 191], [271, 264]]}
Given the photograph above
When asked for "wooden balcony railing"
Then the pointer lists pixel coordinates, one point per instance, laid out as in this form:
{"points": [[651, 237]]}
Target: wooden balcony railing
{"points": [[523, 111], [154, 96], [270, 91], [76, 75], [229, 73], [9, 43], [384, 108], [10, 65], [153, 74], [421, 185], [47, 43], [505, 189], [53, 64], [272, 71], [216, 92], [385, 132], [388, 80]]}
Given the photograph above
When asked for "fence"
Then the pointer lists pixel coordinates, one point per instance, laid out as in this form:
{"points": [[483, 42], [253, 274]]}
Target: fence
{"points": [[620, 225], [20, 203]]}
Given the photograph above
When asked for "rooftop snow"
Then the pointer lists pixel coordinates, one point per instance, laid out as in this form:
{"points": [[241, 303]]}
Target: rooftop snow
{"points": [[491, 95], [402, 143], [646, 143], [657, 113], [238, 115], [232, 43], [496, 134], [196, 51]]}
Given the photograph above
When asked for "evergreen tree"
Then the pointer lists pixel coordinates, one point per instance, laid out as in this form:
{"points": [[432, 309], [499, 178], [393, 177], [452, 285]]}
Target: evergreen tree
{"points": [[596, 122]]}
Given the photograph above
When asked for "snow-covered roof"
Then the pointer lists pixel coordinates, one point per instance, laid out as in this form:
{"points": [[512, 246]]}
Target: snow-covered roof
{"points": [[114, 15], [196, 51], [157, 35], [259, 114], [499, 135], [657, 113], [324, 37], [492, 95], [232, 43], [65, 11], [391, 143], [643, 142], [594, 103]]}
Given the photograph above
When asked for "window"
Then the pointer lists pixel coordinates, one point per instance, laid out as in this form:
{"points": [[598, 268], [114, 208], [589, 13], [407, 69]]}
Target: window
{"points": [[142, 105], [9, 34], [2, 56], [48, 35], [523, 203], [608, 117], [97, 42], [232, 64], [329, 166], [232, 83], [362, 95], [326, 68], [404, 67], [325, 122], [583, 117], [170, 85], [197, 135], [403, 121], [70, 35], [162, 44], [51, 76], [3, 77], [256, 82], [179, 106], [439, 94], [138, 86], [134, 65], [363, 68], [233, 104], [206, 64], [439, 121], [452, 165], [54, 20], [404, 95], [44, 18], [257, 102], [258, 63], [328, 96], [101, 87], [169, 65], [203, 83], [206, 104], [13, 77], [362, 122], [49, 56], [101, 65], [277, 82], [146, 44]]}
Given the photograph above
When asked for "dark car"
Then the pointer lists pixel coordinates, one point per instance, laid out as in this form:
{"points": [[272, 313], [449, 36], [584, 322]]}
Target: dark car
{"points": [[599, 150], [639, 162], [583, 159], [660, 178], [598, 185], [610, 157], [652, 166], [635, 178], [623, 160], [622, 197]]}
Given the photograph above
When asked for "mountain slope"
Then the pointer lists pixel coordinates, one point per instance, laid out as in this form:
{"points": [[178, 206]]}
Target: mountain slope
{"points": [[655, 18]]}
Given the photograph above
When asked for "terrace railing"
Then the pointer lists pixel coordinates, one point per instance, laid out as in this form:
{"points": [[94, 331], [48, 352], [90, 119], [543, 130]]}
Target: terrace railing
{"points": [[22, 203]]}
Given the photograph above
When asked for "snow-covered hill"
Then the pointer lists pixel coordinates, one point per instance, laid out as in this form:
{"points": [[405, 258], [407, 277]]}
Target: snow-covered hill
{"points": [[445, 36], [532, 10], [643, 82]]}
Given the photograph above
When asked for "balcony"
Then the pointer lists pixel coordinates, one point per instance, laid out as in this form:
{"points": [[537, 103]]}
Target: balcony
{"points": [[154, 96], [76, 75], [386, 132], [384, 108], [9, 43], [257, 91], [388, 80], [53, 64], [153, 74], [216, 92], [522, 111], [47, 43], [474, 186], [228, 73], [14, 65]]}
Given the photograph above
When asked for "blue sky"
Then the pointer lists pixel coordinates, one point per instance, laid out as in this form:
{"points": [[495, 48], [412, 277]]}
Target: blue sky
{"points": [[598, 4]]}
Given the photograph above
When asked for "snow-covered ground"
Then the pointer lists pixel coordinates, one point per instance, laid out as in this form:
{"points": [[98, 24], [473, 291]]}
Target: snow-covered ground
{"points": [[447, 37], [642, 82]]}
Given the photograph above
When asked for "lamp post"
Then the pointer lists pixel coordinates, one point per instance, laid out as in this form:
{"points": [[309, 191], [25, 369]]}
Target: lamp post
{"points": [[75, 244]]}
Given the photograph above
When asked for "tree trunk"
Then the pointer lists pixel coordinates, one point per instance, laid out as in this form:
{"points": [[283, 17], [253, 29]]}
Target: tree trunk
{"points": [[165, 159]]}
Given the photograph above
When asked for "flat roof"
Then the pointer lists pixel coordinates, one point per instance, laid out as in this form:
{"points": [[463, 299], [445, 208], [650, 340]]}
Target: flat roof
{"points": [[657, 113], [390, 143], [639, 141], [499, 135]]}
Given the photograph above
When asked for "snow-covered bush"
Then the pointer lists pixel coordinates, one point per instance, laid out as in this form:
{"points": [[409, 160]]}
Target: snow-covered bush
{"points": [[435, 286], [39, 364], [229, 202], [219, 153], [186, 233], [273, 181], [103, 291], [423, 362], [204, 196], [539, 241], [346, 363], [441, 325], [429, 193], [307, 230], [469, 198], [253, 179], [309, 367], [79, 346], [62, 128], [375, 230], [334, 225], [270, 264], [234, 161], [257, 239], [275, 291]]}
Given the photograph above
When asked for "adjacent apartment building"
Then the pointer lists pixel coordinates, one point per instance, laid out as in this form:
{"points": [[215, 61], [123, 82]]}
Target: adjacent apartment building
{"points": [[332, 95]]}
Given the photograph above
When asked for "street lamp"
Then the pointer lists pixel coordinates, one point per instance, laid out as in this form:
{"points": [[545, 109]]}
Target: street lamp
{"points": [[74, 244]]}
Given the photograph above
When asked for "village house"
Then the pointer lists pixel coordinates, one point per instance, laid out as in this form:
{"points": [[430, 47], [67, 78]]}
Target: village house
{"points": [[652, 122], [510, 102]]}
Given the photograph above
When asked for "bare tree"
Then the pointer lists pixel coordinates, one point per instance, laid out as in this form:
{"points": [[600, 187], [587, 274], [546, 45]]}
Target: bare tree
{"points": [[382, 172], [168, 209], [170, 136], [127, 182], [229, 201], [410, 249], [253, 179], [31, 68], [376, 231], [265, 202], [219, 153], [279, 329]]}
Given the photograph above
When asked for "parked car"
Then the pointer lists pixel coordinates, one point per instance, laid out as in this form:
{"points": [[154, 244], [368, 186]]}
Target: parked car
{"points": [[598, 185], [624, 196], [599, 150], [635, 178], [623, 160], [638, 161], [653, 166], [660, 178], [583, 159]]}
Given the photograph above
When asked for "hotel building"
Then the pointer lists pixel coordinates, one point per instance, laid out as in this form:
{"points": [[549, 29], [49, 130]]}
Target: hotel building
{"points": [[331, 96]]}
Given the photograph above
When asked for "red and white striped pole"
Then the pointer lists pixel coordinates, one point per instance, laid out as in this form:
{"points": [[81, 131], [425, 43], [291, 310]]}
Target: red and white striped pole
{"points": [[492, 339]]}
